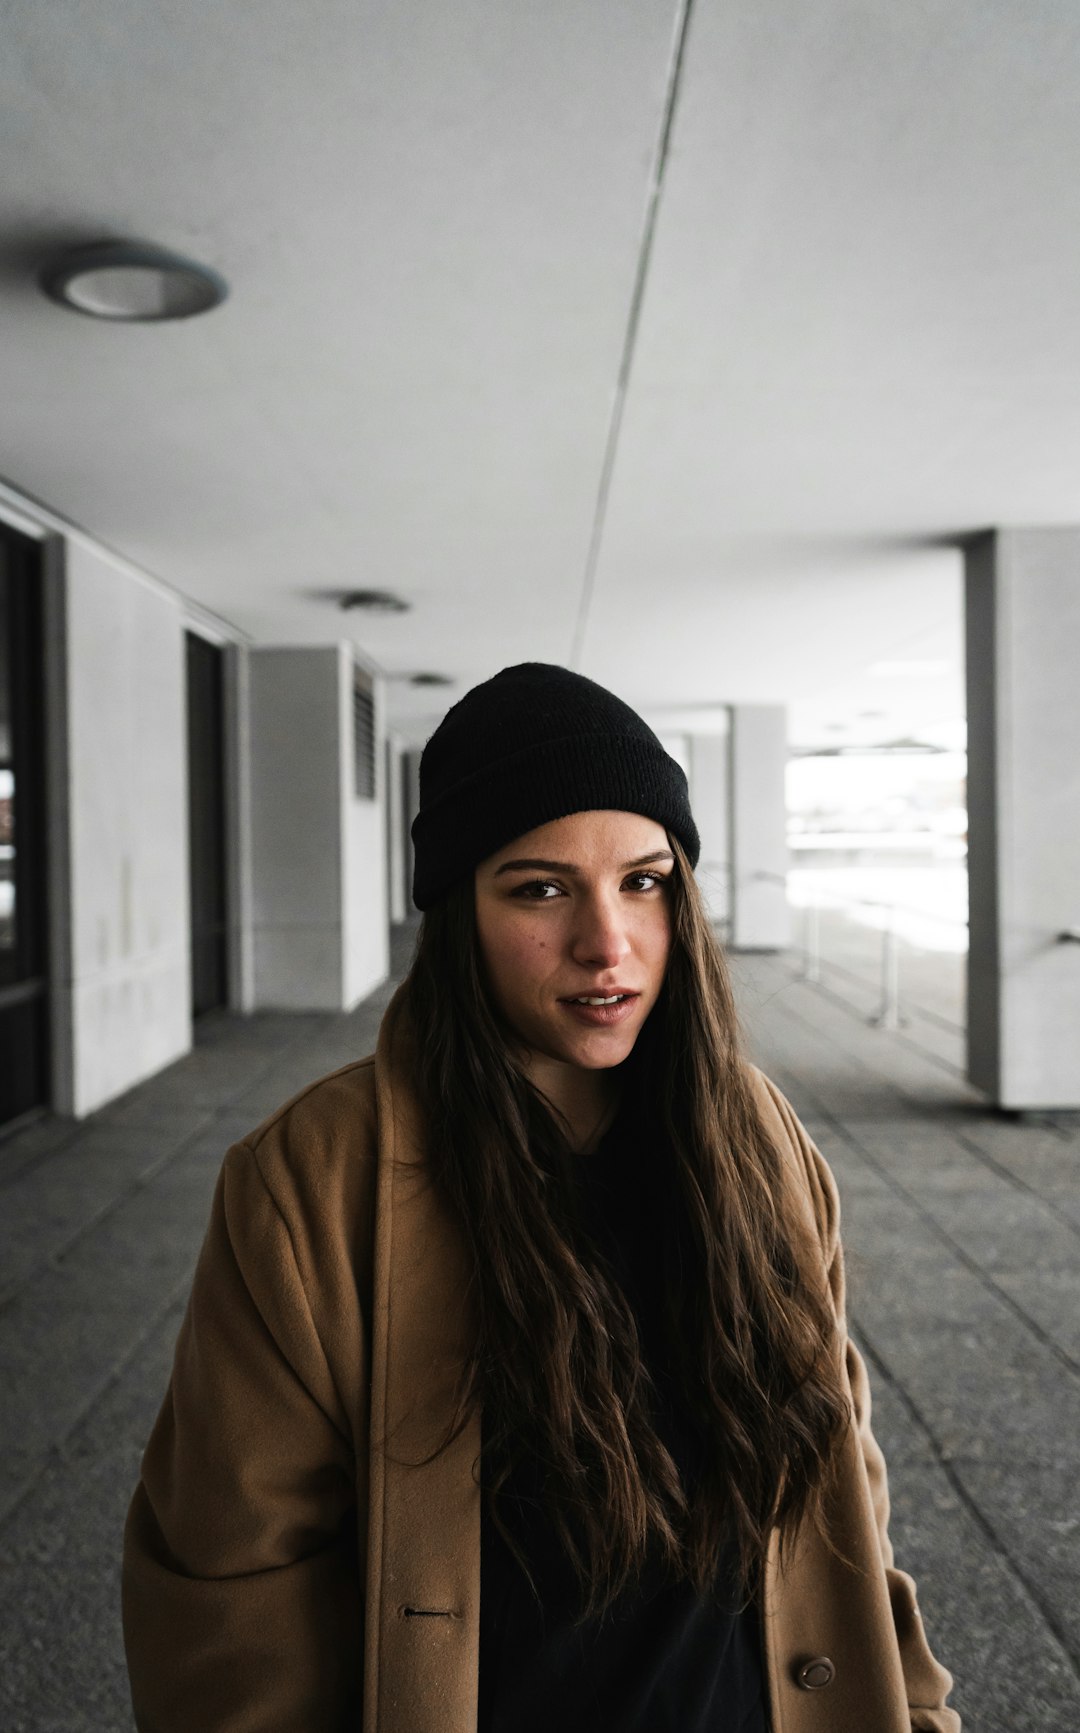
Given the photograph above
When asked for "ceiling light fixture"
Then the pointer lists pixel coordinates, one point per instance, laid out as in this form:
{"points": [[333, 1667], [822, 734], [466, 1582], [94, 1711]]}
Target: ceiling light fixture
{"points": [[375, 601], [132, 281]]}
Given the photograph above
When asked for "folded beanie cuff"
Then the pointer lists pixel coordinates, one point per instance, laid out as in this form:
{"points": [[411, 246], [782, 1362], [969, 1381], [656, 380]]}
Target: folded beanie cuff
{"points": [[549, 779]]}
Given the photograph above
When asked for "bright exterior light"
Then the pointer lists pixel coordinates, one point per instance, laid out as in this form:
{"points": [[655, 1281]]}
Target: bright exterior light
{"points": [[910, 670], [132, 281]]}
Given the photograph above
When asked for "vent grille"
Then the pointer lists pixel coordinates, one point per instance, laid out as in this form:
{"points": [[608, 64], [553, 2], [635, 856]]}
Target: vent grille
{"points": [[363, 741]]}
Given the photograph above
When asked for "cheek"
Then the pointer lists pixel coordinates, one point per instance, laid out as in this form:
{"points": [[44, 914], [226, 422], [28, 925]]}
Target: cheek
{"points": [[514, 952], [656, 943], [524, 956]]}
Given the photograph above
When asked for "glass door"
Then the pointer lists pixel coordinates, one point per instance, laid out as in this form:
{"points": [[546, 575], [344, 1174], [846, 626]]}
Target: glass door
{"points": [[24, 1007]]}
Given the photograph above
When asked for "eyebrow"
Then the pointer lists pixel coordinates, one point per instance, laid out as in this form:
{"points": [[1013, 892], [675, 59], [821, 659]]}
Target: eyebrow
{"points": [[562, 866]]}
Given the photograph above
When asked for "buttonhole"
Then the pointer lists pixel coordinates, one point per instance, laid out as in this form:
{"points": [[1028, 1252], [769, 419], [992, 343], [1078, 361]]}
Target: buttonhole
{"points": [[428, 1613]]}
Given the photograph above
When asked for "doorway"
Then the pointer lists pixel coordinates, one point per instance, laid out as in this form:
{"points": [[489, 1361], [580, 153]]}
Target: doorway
{"points": [[206, 825], [24, 987]]}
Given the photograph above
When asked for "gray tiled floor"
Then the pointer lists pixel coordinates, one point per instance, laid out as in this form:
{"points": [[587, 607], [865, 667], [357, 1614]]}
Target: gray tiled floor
{"points": [[963, 1237]]}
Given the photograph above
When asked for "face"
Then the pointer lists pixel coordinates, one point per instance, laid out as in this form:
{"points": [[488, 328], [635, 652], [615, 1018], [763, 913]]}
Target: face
{"points": [[574, 923]]}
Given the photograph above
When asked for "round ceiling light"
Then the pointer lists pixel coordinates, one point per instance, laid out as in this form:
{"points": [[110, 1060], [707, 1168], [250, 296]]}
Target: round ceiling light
{"points": [[374, 601], [131, 280]]}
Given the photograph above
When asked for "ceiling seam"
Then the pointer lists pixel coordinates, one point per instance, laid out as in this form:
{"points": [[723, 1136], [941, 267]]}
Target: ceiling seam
{"points": [[626, 359], [27, 512]]}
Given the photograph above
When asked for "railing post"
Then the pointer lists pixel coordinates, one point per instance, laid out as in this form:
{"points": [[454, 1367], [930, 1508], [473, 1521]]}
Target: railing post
{"points": [[811, 970], [889, 1015]]}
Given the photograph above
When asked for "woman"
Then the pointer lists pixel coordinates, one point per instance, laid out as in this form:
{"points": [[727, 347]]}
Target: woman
{"points": [[514, 1390]]}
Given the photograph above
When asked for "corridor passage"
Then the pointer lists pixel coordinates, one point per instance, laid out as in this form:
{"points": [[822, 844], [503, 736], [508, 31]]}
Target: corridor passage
{"points": [[963, 1237]]}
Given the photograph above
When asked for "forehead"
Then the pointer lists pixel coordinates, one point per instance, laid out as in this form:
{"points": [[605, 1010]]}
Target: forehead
{"points": [[586, 839]]}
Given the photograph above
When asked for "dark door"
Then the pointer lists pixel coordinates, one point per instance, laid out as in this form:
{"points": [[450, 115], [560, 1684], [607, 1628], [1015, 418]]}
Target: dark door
{"points": [[24, 1001], [206, 823]]}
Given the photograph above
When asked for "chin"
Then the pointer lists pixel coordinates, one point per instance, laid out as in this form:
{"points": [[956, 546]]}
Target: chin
{"points": [[602, 1057]]}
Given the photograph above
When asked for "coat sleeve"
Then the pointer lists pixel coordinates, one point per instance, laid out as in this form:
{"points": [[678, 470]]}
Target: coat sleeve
{"points": [[241, 1600], [928, 1682]]}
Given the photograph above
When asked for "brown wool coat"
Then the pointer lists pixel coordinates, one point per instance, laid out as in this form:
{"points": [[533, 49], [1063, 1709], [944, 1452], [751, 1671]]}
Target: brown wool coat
{"points": [[283, 1573]]}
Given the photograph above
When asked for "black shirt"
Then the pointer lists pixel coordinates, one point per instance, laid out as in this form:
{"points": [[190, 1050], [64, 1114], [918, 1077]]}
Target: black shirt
{"points": [[663, 1659]]}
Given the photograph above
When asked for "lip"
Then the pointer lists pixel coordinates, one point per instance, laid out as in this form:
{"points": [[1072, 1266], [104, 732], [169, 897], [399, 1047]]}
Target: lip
{"points": [[602, 1016]]}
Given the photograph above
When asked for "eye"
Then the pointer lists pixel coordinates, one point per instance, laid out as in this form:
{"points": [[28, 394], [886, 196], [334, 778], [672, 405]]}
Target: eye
{"points": [[537, 891], [642, 882]]}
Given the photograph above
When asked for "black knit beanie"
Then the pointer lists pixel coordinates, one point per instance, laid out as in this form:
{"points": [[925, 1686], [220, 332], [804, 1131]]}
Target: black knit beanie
{"points": [[532, 744]]}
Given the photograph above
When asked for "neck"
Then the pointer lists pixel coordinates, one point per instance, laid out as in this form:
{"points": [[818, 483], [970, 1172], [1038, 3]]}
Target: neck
{"points": [[584, 1100]]}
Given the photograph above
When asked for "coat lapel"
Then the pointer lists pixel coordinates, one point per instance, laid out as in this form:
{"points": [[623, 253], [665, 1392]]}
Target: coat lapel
{"points": [[423, 1577]]}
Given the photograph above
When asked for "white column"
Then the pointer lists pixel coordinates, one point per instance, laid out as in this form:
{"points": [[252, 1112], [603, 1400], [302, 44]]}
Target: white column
{"points": [[318, 856], [125, 1007], [710, 797], [365, 907], [760, 917], [411, 773], [396, 852], [1023, 651], [241, 960]]}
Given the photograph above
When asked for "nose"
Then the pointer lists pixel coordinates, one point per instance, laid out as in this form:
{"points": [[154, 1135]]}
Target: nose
{"points": [[600, 938]]}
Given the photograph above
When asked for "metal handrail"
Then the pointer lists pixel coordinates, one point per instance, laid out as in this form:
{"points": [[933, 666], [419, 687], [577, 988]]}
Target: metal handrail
{"points": [[888, 1015], [847, 902]]}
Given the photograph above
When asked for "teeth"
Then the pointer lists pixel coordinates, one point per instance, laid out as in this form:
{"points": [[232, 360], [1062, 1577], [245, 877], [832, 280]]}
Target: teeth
{"points": [[614, 1000]]}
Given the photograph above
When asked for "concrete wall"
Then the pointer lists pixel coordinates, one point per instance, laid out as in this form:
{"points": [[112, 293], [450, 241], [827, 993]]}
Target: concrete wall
{"points": [[306, 858], [1023, 644], [411, 772], [760, 917], [319, 897], [127, 977], [710, 797], [365, 890], [241, 957], [399, 901], [983, 999]]}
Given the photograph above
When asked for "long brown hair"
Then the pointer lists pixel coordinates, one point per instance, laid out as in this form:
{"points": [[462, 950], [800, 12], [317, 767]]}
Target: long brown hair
{"points": [[558, 1364]]}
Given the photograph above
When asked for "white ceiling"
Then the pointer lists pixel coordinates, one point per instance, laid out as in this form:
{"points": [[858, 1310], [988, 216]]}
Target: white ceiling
{"points": [[860, 333]]}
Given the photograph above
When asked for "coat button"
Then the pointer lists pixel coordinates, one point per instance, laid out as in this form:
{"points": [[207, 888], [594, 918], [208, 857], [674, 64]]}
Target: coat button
{"points": [[814, 1675]]}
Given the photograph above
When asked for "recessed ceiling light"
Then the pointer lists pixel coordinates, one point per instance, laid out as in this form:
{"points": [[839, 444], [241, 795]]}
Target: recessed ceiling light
{"points": [[376, 601], [132, 281]]}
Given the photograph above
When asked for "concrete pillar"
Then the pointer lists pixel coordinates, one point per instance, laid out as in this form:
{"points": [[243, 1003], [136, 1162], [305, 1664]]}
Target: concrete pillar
{"points": [[1023, 649], [400, 901], [759, 918], [241, 959], [411, 784], [318, 850], [125, 1004], [710, 796]]}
